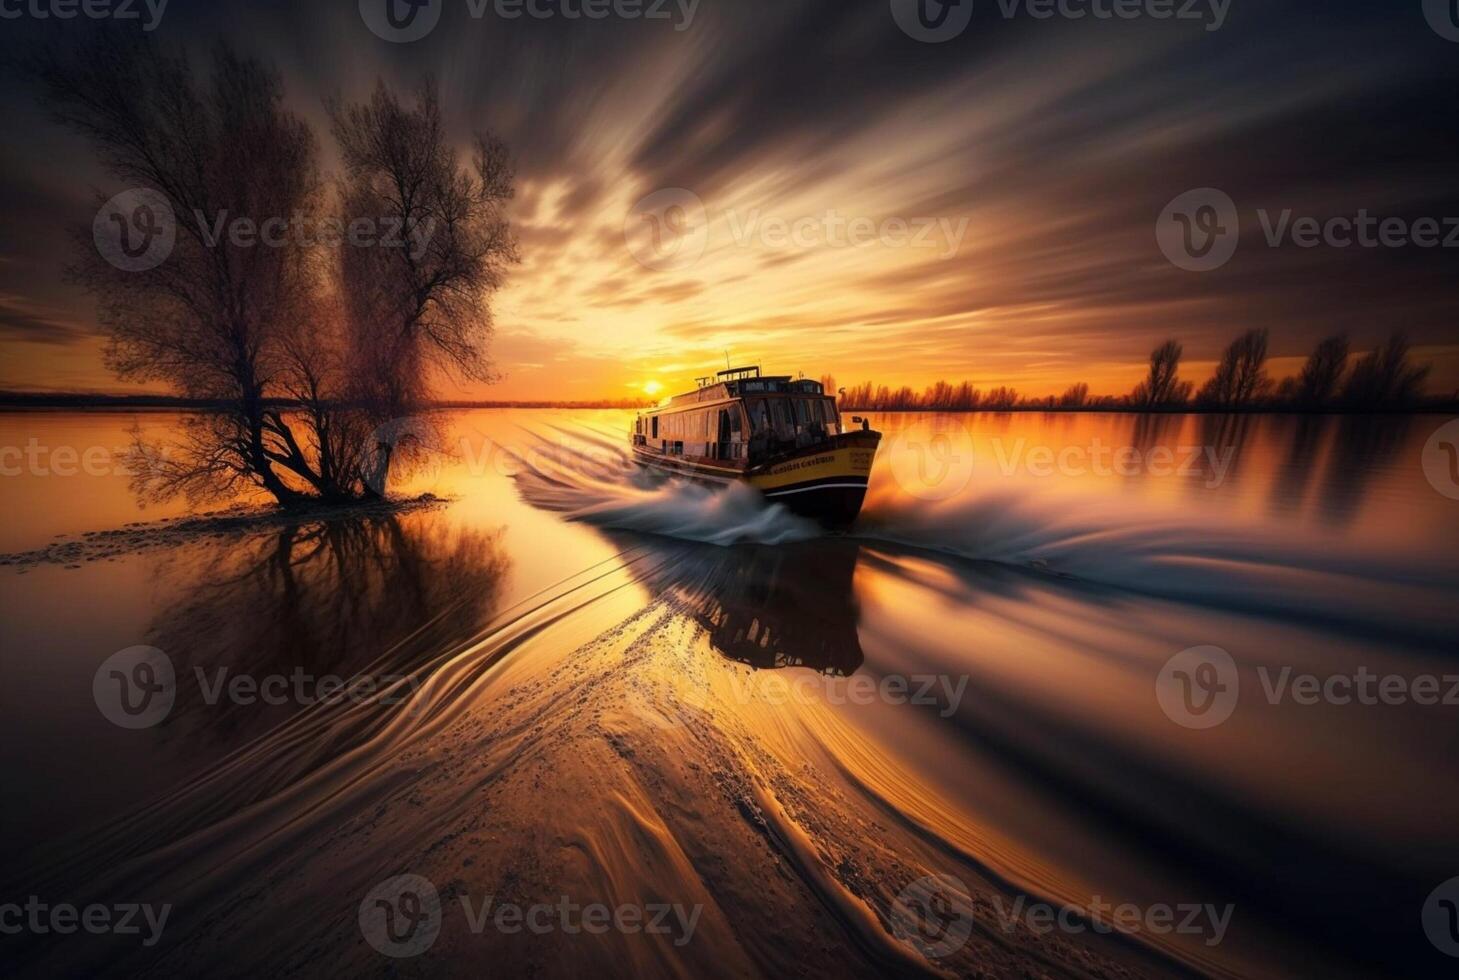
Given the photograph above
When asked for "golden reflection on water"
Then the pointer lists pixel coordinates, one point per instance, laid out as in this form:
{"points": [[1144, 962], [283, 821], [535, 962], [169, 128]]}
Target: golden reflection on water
{"points": [[601, 702]]}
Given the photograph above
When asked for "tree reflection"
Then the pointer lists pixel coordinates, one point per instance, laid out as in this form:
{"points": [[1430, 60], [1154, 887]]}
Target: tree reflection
{"points": [[373, 596], [1364, 447]]}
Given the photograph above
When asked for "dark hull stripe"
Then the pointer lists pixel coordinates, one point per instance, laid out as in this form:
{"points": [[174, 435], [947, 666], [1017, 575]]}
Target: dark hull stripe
{"points": [[817, 486]]}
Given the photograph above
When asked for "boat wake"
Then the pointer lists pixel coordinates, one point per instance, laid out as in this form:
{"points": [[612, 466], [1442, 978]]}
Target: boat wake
{"points": [[585, 478], [681, 721], [584, 475]]}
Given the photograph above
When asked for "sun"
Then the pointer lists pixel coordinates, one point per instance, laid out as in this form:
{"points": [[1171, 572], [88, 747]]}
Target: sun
{"points": [[652, 387]]}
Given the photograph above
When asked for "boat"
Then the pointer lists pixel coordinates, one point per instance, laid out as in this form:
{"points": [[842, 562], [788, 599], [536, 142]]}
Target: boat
{"points": [[782, 436]]}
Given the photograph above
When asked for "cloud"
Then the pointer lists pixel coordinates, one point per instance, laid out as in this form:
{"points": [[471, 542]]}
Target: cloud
{"points": [[1057, 142], [24, 320]]}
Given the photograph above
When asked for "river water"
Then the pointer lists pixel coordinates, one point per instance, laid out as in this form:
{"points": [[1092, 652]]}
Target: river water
{"points": [[1190, 675]]}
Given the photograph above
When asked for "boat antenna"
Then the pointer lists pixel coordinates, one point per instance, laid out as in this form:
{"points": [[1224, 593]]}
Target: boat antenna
{"points": [[726, 359]]}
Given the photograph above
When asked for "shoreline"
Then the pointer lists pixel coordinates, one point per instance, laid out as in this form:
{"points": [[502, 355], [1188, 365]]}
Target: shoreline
{"points": [[72, 551]]}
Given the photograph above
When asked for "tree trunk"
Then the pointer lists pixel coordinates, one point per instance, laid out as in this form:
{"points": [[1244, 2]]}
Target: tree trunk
{"points": [[253, 412]]}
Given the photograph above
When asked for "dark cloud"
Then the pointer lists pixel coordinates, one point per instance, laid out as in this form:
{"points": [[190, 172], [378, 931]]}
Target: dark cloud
{"points": [[1060, 142], [23, 320]]}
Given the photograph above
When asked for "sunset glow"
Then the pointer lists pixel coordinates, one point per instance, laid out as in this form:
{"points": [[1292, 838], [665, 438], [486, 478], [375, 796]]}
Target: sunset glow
{"points": [[921, 213], [729, 488]]}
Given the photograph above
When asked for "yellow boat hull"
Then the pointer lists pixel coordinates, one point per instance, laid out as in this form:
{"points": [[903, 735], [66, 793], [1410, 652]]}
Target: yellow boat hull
{"points": [[826, 482]]}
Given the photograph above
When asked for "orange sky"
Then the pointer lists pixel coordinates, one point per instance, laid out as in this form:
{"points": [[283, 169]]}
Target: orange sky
{"points": [[1007, 190]]}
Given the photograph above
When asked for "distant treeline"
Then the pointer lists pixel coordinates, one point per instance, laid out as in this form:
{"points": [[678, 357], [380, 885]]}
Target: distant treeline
{"points": [[82, 400], [1384, 379]]}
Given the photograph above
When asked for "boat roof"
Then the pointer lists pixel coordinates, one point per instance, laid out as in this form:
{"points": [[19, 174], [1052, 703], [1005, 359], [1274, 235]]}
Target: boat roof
{"points": [[735, 383]]}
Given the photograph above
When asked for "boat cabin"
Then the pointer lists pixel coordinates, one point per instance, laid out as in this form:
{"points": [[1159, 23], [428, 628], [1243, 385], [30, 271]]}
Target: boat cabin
{"points": [[740, 417]]}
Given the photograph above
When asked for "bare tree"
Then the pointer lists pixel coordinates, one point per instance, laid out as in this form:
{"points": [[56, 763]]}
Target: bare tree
{"points": [[1075, 396], [1162, 386], [1240, 376], [425, 305], [1318, 381], [1385, 377], [305, 351], [216, 151]]}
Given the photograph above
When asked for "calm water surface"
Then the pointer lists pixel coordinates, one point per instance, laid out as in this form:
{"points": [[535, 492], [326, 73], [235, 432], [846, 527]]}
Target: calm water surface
{"points": [[620, 690]]}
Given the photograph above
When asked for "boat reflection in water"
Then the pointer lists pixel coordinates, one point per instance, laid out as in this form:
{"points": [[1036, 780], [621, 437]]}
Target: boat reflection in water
{"points": [[765, 606]]}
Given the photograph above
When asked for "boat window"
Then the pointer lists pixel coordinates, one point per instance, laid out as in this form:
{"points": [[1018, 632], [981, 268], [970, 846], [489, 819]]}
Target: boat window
{"points": [[802, 413], [830, 416], [784, 422], [759, 415]]}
